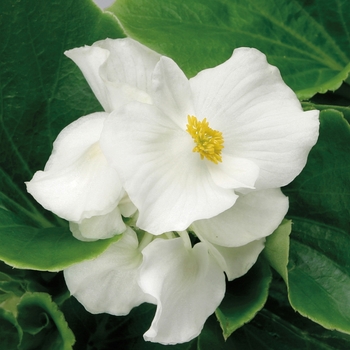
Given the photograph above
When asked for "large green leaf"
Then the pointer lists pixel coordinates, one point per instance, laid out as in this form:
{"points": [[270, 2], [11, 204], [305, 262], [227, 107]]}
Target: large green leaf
{"points": [[307, 40], [319, 274], [50, 249], [244, 298], [322, 191]]}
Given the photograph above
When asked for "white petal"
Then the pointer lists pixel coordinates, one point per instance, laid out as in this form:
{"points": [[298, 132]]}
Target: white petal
{"points": [[77, 181], [99, 227], [254, 216], [172, 93], [188, 285], [118, 71], [169, 184], [236, 261], [108, 283], [259, 115], [234, 172], [126, 206]]}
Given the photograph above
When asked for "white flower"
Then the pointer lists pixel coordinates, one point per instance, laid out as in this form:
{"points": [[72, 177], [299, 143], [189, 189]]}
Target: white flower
{"points": [[230, 129]]}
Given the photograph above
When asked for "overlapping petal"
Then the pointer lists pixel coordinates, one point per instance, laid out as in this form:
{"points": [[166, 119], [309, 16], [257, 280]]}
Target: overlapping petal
{"points": [[118, 71], [99, 226], [77, 181], [236, 261], [188, 285], [108, 283], [167, 182], [255, 215]]}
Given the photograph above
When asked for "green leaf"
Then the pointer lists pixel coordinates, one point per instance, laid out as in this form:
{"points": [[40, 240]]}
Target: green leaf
{"points": [[43, 324], [244, 298], [307, 106], [277, 248], [41, 90], [319, 274], [307, 40], [268, 331], [48, 249], [322, 191]]}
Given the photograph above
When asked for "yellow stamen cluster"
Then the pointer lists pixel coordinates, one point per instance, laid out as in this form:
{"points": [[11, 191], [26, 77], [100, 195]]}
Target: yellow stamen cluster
{"points": [[209, 142]]}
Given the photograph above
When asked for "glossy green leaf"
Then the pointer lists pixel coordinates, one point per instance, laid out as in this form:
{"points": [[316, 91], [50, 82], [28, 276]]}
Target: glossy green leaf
{"points": [[244, 298], [307, 40], [322, 191], [48, 249], [319, 274]]}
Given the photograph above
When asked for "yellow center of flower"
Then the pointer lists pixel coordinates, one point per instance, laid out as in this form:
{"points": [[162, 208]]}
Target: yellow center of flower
{"points": [[209, 142]]}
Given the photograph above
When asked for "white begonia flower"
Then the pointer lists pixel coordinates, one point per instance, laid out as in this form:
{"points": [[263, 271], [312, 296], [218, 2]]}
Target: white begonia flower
{"points": [[187, 284], [108, 283], [233, 127]]}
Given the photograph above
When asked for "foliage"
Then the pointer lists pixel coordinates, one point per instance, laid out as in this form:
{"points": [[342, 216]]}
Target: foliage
{"points": [[42, 91]]}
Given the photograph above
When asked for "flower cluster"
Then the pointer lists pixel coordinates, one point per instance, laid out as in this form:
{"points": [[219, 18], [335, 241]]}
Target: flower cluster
{"points": [[186, 171]]}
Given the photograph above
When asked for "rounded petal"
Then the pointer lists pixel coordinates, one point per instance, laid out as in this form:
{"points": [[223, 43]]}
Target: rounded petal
{"points": [[188, 285], [259, 115], [98, 227], [118, 71], [236, 261], [167, 182], [255, 215], [172, 92], [77, 181], [108, 283]]}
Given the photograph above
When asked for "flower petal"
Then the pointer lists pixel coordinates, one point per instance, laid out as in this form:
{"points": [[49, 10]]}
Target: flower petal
{"points": [[168, 183], [254, 216], [172, 92], [108, 283], [259, 115], [98, 227], [77, 181], [118, 71], [236, 261], [188, 285], [234, 172]]}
